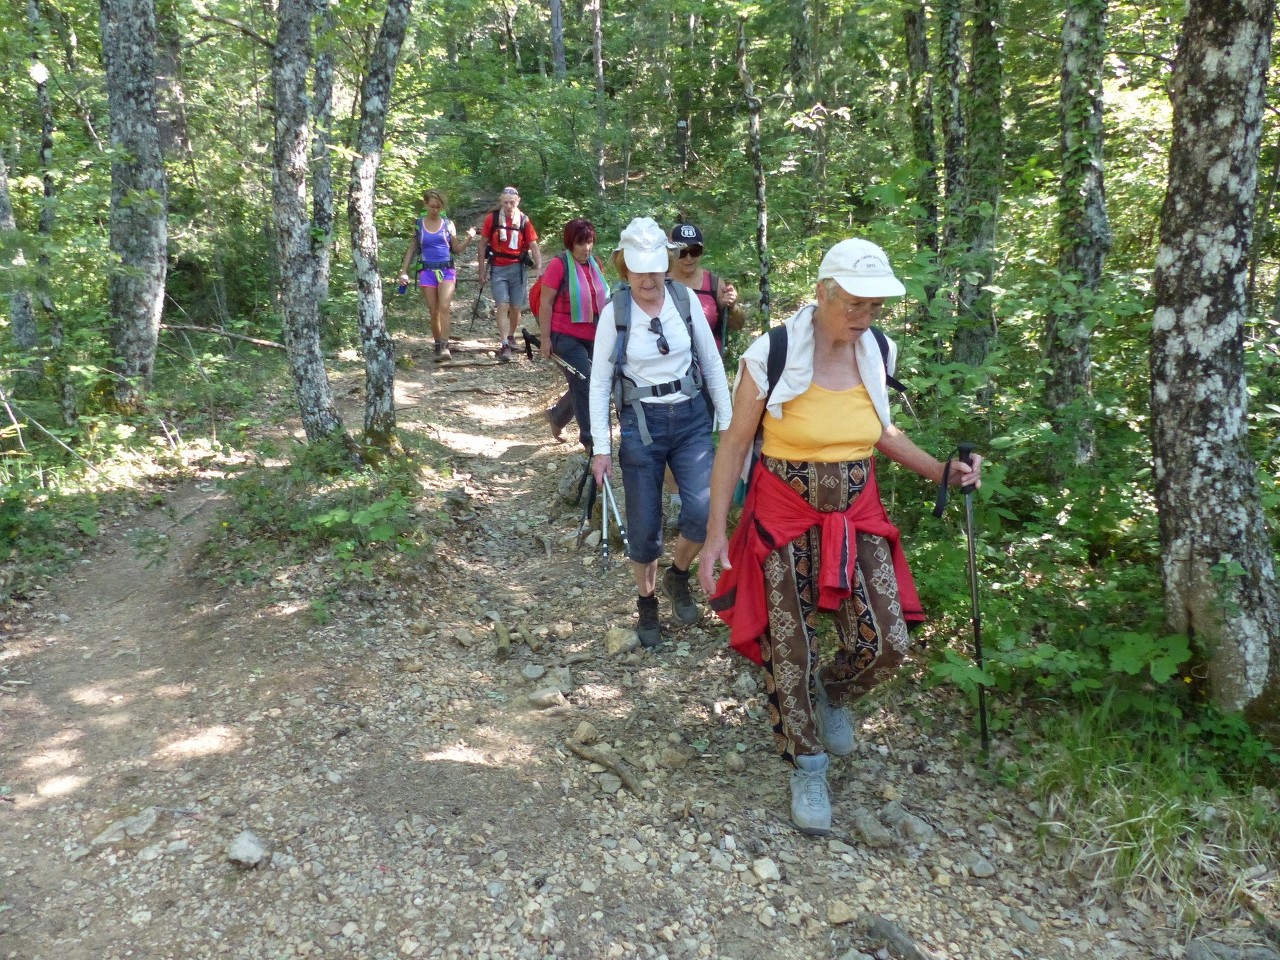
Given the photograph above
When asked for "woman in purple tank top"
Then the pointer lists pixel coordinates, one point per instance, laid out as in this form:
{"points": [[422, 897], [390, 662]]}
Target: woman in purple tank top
{"points": [[434, 243]]}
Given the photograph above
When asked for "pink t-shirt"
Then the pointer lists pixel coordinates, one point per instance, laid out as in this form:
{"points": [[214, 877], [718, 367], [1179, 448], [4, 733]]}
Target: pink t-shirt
{"points": [[592, 296]]}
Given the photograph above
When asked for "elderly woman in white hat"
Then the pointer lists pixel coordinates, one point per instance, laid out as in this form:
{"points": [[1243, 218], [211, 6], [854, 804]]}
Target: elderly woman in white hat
{"points": [[814, 535], [653, 352]]}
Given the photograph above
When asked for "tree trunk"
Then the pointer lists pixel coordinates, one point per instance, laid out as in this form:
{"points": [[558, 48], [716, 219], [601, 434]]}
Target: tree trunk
{"points": [[1084, 236], [139, 204], [602, 109], [954, 174], [299, 301], [799, 61], [1216, 558], [557, 39], [1265, 229], [22, 315], [322, 215], [923, 135], [757, 165], [379, 351], [975, 316], [59, 369], [171, 108]]}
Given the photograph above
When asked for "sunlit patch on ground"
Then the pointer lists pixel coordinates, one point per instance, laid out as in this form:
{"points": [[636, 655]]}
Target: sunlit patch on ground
{"points": [[459, 753], [52, 759], [471, 444], [217, 739], [61, 785], [497, 415]]}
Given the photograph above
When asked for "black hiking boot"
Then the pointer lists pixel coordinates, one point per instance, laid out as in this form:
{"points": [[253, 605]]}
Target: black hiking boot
{"points": [[676, 586], [649, 630]]}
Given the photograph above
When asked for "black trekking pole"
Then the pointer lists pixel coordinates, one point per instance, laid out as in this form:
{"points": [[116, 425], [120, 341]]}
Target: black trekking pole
{"points": [[475, 308], [966, 457], [591, 502], [939, 507]]}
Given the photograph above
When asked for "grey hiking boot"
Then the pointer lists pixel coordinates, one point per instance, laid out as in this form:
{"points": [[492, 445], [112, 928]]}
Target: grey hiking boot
{"points": [[649, 630], [810, 801], [505, 352], [443, 354], [835, 728], [676, 586]]}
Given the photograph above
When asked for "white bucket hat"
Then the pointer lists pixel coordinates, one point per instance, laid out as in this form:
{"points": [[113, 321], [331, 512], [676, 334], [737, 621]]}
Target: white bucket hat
{"points": [[644, 246], [862, 270]]}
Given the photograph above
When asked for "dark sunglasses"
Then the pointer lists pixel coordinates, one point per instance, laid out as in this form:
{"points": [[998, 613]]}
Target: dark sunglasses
{"points": [[694, 251], [655, 326]]}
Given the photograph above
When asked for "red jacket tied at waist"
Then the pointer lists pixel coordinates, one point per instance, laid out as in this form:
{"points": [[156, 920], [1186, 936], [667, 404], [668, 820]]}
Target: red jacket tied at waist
{"points": [[774, 515]]}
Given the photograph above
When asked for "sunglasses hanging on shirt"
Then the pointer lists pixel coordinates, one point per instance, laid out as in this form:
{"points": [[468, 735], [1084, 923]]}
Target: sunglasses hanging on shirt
{"points": [[655, 326]]}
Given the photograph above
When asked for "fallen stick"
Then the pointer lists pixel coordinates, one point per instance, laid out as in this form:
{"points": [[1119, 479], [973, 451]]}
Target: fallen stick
{"points": [[897, 939], [616, 765], [504, 640], [215, 332], [529, 639]]}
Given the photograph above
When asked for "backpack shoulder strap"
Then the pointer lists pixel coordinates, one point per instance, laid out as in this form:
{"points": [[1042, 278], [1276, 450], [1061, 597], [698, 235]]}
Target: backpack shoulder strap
{"points": [[564, 275], [777, 357], [883, 343], [621, 322], [680, 294]]}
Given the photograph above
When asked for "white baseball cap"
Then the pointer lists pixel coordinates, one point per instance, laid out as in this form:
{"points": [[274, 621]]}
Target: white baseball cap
{"points": [[862, 270], [644, 246]]}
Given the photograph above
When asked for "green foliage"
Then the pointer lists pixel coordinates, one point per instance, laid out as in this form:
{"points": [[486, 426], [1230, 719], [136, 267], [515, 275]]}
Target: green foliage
{"points": [[360, 523]]}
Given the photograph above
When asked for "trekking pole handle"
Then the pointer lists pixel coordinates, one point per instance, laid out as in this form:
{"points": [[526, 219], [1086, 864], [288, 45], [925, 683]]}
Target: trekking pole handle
{"points": [[966, 457]]}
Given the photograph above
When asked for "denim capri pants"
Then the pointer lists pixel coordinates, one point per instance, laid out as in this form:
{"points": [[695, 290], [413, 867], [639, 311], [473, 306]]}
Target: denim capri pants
{"points": [[681, 435]]}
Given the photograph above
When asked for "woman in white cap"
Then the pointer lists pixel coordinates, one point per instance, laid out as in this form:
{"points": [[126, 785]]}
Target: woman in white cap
{"points": [[653, 351], [813, 534]]}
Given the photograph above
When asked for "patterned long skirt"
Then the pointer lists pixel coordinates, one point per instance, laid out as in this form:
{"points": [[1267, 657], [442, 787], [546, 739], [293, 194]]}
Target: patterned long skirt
{"points": [[871, 634]]}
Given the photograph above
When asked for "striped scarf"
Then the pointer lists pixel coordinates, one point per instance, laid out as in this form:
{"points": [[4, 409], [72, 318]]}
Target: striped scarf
{"points": [[580, 310]]}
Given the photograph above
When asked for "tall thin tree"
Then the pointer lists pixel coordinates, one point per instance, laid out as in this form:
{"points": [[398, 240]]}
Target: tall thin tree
{"points": [[299, 296], [22, 315], [984, 163], [379, 353], [1084, 235], [923, 133], [951, 70], [602, 106], [1217, 563], [322, 215], [757, 166], [557, 39], [139, 201]]}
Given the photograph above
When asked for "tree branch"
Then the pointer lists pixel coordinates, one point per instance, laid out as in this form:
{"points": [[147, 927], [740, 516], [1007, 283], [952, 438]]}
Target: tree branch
{"points": [[236, 25], [214, 331]]}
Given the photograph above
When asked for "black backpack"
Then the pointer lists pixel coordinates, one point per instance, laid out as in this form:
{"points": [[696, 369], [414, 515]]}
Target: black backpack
{"points": [[778, 358], [773, 373]]}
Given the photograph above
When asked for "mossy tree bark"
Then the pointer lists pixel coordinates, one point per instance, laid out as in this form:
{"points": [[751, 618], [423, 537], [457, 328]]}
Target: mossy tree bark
{"points": [[379, 351], [1084, 235], [291, 60], [1216, 556], [139, 202]]}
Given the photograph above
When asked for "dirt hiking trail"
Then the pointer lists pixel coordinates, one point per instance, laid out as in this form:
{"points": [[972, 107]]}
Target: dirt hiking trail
{"points": [[401, 791]]}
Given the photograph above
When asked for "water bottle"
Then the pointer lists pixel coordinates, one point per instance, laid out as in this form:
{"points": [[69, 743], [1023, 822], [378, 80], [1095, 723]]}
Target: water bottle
{"points": [[402, 289]]}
